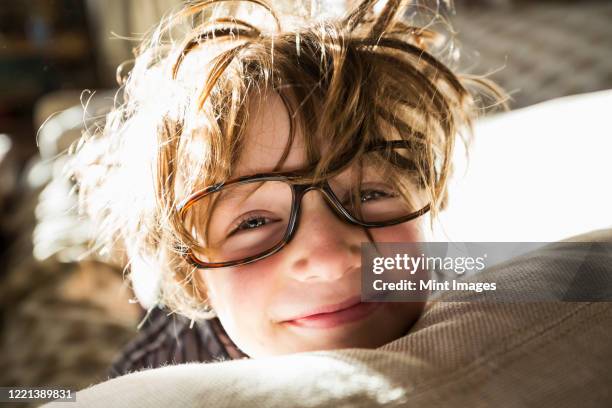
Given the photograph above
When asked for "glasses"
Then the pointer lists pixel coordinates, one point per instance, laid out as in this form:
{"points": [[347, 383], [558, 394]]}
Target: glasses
{"points": [[250, 218]]}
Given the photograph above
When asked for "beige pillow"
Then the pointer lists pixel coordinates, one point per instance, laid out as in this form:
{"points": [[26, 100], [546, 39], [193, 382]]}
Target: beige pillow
{"points": [[462, 354]]}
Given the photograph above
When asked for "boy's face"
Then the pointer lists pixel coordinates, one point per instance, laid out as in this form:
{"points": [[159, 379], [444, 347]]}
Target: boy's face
{"points": [[260, 304]]}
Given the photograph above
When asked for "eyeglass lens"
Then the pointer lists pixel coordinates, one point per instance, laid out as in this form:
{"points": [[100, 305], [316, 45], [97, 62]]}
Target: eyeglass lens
{"points": [[247, 219]]}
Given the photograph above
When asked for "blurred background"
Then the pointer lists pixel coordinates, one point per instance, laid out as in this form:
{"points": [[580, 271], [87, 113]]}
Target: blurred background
{"points": [[64, 316]]}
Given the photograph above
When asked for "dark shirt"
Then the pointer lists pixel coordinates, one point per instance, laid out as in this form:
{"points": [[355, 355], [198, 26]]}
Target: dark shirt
{"points": [[167, 339]]}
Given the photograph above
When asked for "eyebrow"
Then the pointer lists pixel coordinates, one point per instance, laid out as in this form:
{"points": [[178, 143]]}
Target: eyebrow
{"points": [[254, 171], [225, 197]]}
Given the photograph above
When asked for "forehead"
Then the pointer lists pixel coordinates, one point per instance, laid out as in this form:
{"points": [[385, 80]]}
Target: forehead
{"points": [[266, 137]]}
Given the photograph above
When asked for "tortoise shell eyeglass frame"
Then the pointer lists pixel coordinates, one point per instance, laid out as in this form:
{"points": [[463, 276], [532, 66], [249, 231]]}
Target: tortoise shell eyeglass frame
{"points": [[298, 191]]}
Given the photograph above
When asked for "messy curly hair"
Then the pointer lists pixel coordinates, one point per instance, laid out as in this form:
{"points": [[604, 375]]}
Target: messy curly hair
{"points": [[180, 124]]}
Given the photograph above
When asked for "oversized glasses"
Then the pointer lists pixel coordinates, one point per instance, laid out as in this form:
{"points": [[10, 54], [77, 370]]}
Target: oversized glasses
{"points": [[250, 218]]}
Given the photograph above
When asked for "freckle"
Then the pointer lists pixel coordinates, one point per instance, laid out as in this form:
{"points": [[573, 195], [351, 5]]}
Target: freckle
{"points": [[301, 263]]}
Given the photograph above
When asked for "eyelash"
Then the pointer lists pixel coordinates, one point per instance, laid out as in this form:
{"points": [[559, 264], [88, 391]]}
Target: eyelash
{"points": [[386, 194], [244, 219], [386, 191]]}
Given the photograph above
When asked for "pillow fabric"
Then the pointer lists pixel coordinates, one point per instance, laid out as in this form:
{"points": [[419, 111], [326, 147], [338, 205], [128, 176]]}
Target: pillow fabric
{"points": [[528, 354], [536, 174]]}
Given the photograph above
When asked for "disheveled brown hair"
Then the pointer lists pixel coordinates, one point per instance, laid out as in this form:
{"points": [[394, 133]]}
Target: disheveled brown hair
{"points": [[182, 120]]}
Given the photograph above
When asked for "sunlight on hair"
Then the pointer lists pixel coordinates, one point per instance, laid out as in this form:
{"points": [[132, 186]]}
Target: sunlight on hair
{"points": [[379, 6]]}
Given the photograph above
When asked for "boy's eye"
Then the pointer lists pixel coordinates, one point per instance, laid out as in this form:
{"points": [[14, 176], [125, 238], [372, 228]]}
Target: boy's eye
{"points": [[369, 195], [250, 222]]}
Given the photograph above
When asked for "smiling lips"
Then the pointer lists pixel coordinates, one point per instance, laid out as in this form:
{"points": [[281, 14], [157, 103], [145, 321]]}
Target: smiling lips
{"points": [[335, 315]]}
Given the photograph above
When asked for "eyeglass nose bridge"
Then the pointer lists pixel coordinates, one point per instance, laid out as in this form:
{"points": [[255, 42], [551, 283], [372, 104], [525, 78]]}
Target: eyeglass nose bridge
{"points": [[330, 198]]}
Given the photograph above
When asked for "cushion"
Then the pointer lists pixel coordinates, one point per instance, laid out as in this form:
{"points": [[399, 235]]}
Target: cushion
{"points": [[544, 354], [536, 174]]}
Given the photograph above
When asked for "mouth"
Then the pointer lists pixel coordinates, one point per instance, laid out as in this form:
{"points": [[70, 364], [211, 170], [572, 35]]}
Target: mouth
{"points": [[335, 315]]}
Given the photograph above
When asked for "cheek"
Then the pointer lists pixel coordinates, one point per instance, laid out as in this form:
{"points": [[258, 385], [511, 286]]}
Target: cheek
{"points": [[412, 231], [242, 300], [231, 290], [241, 296]]}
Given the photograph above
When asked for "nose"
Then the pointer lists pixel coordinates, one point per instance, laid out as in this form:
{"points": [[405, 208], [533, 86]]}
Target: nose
{"points": [[324, 248]]}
